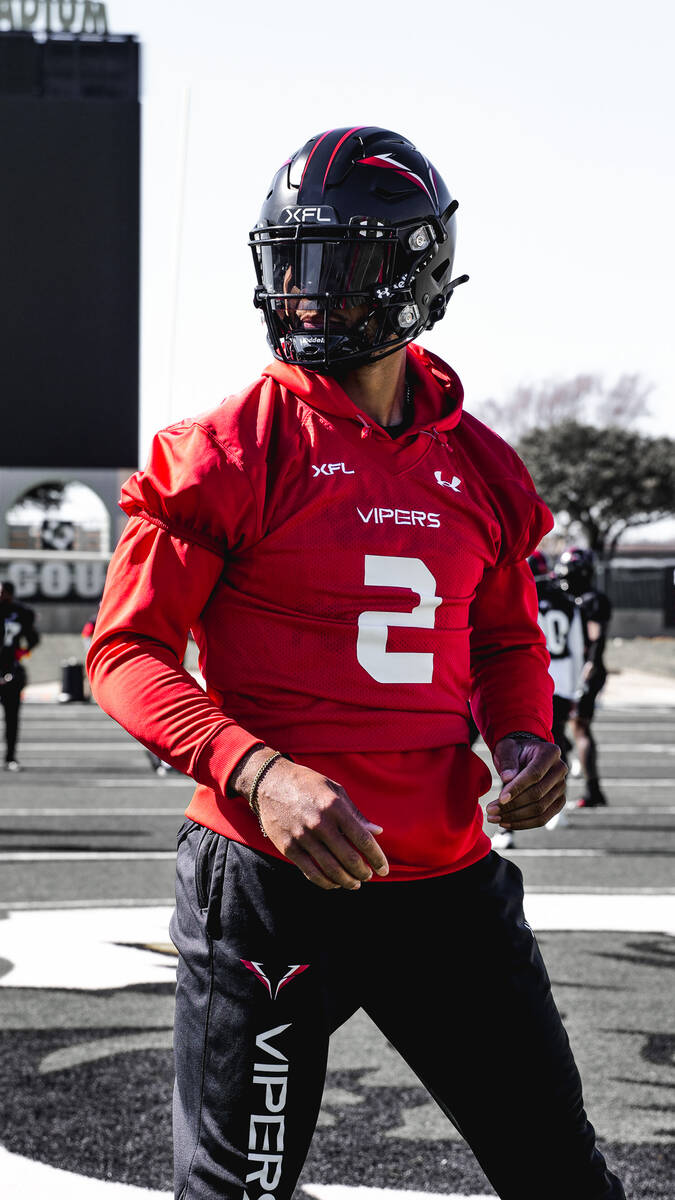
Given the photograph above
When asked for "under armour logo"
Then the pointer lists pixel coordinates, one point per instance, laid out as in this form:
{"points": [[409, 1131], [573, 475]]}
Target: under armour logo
{"points": [[292, 970], [454, 484]]}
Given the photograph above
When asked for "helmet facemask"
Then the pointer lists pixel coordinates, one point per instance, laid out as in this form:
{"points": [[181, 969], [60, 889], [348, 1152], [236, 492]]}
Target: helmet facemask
{"points": [[312, 278]]}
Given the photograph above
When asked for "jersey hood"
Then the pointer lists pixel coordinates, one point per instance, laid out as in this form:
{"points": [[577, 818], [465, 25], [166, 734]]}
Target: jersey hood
{"points": [[438, 391]]}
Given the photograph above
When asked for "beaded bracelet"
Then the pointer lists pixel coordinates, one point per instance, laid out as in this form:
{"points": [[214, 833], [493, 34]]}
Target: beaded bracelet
{"points": [[253, 795]]}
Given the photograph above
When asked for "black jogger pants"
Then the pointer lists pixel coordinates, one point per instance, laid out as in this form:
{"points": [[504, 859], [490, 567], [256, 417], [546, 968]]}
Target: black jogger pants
{"points": [[270, 965]]}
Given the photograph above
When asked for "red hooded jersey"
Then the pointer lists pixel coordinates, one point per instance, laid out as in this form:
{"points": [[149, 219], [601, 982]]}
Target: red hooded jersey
{"points": [[348, 593]]}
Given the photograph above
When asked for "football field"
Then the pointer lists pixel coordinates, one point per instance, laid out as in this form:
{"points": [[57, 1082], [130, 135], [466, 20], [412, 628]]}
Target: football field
{"points": [[87, 836]]}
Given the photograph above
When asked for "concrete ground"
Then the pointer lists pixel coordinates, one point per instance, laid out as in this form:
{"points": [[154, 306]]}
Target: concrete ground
{"points": [[87, 846]]}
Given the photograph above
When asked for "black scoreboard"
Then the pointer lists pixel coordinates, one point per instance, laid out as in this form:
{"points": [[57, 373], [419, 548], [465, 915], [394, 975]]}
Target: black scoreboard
{"points": [[69, 250]]}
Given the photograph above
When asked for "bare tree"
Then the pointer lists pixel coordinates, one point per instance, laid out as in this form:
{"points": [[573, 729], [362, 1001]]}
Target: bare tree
{"points": [[585, 399]]}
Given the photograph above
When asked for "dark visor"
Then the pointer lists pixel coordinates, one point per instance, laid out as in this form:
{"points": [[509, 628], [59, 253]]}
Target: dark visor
{"points": [[310, 268]]}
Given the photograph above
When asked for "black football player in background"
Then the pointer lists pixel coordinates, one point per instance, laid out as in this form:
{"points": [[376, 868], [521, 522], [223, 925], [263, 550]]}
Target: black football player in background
{"points": [[575, 570]]}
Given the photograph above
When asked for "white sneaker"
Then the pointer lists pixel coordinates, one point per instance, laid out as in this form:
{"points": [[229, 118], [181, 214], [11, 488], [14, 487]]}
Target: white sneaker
{"points": [[12, 765], [504, 840]]}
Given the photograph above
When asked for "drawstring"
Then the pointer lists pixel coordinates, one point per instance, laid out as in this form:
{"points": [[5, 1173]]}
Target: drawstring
{"points": [[441, 438]]}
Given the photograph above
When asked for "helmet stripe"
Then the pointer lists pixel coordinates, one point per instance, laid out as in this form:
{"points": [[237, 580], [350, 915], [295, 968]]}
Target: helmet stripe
{"points": [[388, 161], [330, 160], [314, 147]]}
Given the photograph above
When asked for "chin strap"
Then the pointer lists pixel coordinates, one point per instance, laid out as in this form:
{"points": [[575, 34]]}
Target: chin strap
{"points": [[455, 283]]}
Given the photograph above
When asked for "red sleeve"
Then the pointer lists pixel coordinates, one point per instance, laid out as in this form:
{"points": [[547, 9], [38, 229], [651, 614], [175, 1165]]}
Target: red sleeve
{"points": [[187, 507], [511, 685]]}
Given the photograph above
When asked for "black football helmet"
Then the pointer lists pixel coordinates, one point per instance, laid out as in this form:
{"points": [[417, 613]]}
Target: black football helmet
{"points": [[538, 564], [357, 217], [576, 570]]}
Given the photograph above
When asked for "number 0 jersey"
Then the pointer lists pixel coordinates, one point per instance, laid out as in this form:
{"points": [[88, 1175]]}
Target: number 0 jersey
{"points": [[560, 620], [348, 593]]}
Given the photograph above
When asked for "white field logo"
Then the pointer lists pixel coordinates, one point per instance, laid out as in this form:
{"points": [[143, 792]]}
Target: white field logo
{"points": [[266, 1129], [400, 516]]}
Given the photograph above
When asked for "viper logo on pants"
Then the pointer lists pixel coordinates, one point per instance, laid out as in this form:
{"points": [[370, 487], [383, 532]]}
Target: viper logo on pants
{"points": [[291, 972], [266, 1130]]}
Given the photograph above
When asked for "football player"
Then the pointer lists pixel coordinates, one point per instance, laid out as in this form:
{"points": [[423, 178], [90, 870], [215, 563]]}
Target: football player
{"points": [[19, 636], [560, 620], [575, 570], [349, 549]]}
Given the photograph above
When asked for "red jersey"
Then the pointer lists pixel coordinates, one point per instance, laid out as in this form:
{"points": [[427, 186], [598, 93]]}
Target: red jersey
{"points": [[348, 593]]}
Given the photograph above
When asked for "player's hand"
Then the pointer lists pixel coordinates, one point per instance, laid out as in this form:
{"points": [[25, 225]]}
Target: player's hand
{"points": [[533, 775], [312, 821]]}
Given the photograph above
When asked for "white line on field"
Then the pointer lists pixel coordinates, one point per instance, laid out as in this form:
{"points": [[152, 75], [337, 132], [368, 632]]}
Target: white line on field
{"points": [[341, 1191], [623, 810], [168, 901], [553, 852], [121, 781], [66, 747], [96, 812], [57, 905], [623, 747], [11, 856], [123, 743], [26, 1177], [611, 782], [134, 811]]}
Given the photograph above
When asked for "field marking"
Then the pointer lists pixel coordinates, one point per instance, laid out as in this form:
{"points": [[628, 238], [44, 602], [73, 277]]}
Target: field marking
{"points": [[98, 948], [550, 852], [122, 743], [26, 1177], [79, 856], [626, 810], [149, 779], [611, 781], [127, 781], [66, 747], [342, 1191], [590, 912], [623, 726], [167, 901], [135, 811], [66, 905], [96, 812], [122, 810], [26, 856], [11, 856]]}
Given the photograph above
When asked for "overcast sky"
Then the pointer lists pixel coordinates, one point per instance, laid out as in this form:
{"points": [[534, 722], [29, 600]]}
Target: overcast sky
{"points": [[551, 124]]}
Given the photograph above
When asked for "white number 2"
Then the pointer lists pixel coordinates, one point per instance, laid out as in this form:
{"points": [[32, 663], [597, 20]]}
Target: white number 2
{"points": [[371, 645]]}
